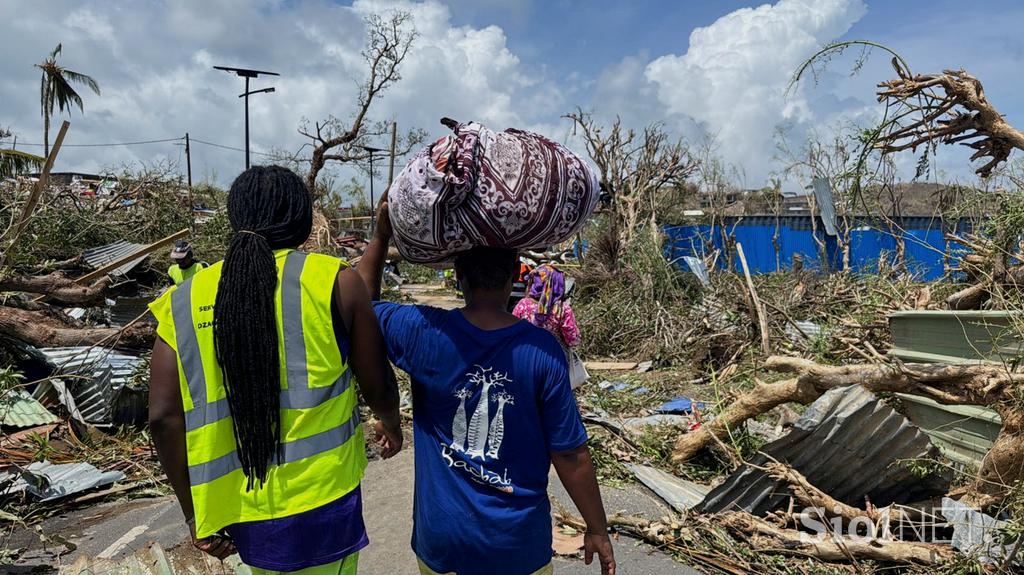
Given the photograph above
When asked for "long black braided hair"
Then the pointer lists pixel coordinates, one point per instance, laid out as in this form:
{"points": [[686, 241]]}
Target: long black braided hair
{"points": [[269, 208]]}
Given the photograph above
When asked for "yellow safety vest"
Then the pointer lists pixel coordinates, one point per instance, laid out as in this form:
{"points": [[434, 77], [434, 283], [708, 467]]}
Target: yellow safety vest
{"points": [[179, 275], [322, 447]]}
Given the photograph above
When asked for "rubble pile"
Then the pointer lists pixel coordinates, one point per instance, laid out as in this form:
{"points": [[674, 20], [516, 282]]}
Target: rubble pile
{"points": [[75, 336]]}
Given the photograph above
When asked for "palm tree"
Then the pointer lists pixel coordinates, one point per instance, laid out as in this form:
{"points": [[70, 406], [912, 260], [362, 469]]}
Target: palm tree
{"points": [[55, 89], [14, 162]]}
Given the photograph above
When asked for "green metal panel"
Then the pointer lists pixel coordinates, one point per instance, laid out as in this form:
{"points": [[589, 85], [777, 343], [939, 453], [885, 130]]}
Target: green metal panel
{"points": [[19, 409], [964, 433], [988, 335]]}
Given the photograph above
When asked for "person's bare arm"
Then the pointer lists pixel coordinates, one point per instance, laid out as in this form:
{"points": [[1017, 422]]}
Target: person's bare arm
{"points": [[368, 359], [576, 470], [167, 426], [371, 265]]}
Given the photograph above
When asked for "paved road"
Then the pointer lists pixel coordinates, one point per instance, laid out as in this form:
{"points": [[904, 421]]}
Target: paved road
{"points": [[115, 530]]}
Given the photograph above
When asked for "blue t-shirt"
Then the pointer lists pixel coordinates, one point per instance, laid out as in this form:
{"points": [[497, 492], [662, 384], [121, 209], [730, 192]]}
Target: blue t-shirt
{"points": [[489, 407]]}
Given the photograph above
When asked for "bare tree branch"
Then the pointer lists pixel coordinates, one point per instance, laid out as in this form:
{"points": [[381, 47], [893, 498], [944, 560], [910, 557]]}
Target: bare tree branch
{"points": [[389, 40]]}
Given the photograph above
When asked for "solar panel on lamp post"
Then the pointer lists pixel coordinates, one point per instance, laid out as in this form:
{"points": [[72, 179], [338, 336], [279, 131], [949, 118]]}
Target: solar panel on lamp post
{"points": [[247, 74]]}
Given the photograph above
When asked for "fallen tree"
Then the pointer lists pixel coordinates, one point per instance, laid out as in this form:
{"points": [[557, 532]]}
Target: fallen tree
{"points": [[769, 538], [42, 329], [59, 287], [831, 547], [989, 385]]}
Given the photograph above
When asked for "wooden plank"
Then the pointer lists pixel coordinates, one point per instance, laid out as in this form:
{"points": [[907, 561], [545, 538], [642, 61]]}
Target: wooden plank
{"points": [[762, 319], [143, 251], [44, 178], [37, 190], [610, 365]]}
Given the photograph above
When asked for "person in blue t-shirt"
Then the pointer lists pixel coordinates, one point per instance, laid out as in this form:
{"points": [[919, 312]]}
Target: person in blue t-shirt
{"points": [[492, 411]]}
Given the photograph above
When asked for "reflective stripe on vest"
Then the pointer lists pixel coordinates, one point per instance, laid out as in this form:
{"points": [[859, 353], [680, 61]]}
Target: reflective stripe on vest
{"points": [[297, 394], [290, 452]]}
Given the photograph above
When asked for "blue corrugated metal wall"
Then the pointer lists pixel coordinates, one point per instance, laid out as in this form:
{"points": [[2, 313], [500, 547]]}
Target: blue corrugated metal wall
{"points": [[924, 241]]}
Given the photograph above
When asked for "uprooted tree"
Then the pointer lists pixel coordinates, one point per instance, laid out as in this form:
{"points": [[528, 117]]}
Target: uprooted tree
{"points": [[635, 169], [948, 108], [389, 39], [994, 386]]}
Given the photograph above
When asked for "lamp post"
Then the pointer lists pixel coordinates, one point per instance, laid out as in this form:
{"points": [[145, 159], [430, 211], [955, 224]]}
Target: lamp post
{"points": [[373, 208], [247, 74]]}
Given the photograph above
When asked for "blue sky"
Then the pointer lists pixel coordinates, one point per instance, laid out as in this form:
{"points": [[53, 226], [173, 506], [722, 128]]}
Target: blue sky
{"points": [[704, 69]]}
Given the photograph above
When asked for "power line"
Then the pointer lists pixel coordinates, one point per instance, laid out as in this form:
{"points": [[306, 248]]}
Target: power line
{"points": [[234, 149], [113, 144]]}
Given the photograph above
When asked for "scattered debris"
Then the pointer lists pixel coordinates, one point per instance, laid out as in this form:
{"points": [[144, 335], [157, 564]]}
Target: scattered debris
{"points": [[803, 329], [94, 384], [655, 420], [154, 560], [979, 535], [566, 544], [699, 269], [48, 481], [613, 385], [681, 405], [681, 494]]}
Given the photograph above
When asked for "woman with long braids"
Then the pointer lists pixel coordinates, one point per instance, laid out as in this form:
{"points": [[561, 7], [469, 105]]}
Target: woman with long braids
{"points": [[253, 406]]}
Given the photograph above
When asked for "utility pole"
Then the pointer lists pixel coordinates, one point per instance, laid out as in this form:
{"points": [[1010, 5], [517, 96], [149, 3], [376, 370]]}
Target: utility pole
{"points": [[188, 164], [247, 74], [188, 160], [373, 206], [394, 141]]}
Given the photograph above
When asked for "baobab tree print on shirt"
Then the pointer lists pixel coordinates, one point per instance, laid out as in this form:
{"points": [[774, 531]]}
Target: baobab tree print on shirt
{"points": [[478, 433]]}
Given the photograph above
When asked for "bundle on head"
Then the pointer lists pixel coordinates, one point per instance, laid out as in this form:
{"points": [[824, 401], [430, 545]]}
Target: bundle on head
{"points": [[478, 187], [269, 208]]}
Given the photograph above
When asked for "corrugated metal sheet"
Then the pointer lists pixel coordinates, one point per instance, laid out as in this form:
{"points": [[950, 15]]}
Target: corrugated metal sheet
{"points": [[699, 269], [126, 309], [964, 433], [849, 445], [681, 494], [19, 409], [103, 255], [48, 481], [826, 205], [89, 398], [94, 360]]}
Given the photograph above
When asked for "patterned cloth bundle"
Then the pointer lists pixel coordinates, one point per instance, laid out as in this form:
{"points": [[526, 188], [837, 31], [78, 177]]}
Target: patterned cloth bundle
{"points": [[478, 187]]}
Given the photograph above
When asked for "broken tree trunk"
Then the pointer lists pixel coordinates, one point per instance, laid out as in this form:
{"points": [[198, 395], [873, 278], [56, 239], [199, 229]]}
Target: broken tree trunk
{"points": [[766, 536], [40, 329], [58, 287], [830, 547], [988, 385]]}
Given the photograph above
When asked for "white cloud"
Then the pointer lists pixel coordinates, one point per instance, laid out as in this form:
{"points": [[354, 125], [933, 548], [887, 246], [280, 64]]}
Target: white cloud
{"points": [[732, 80], [153, 62]]}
